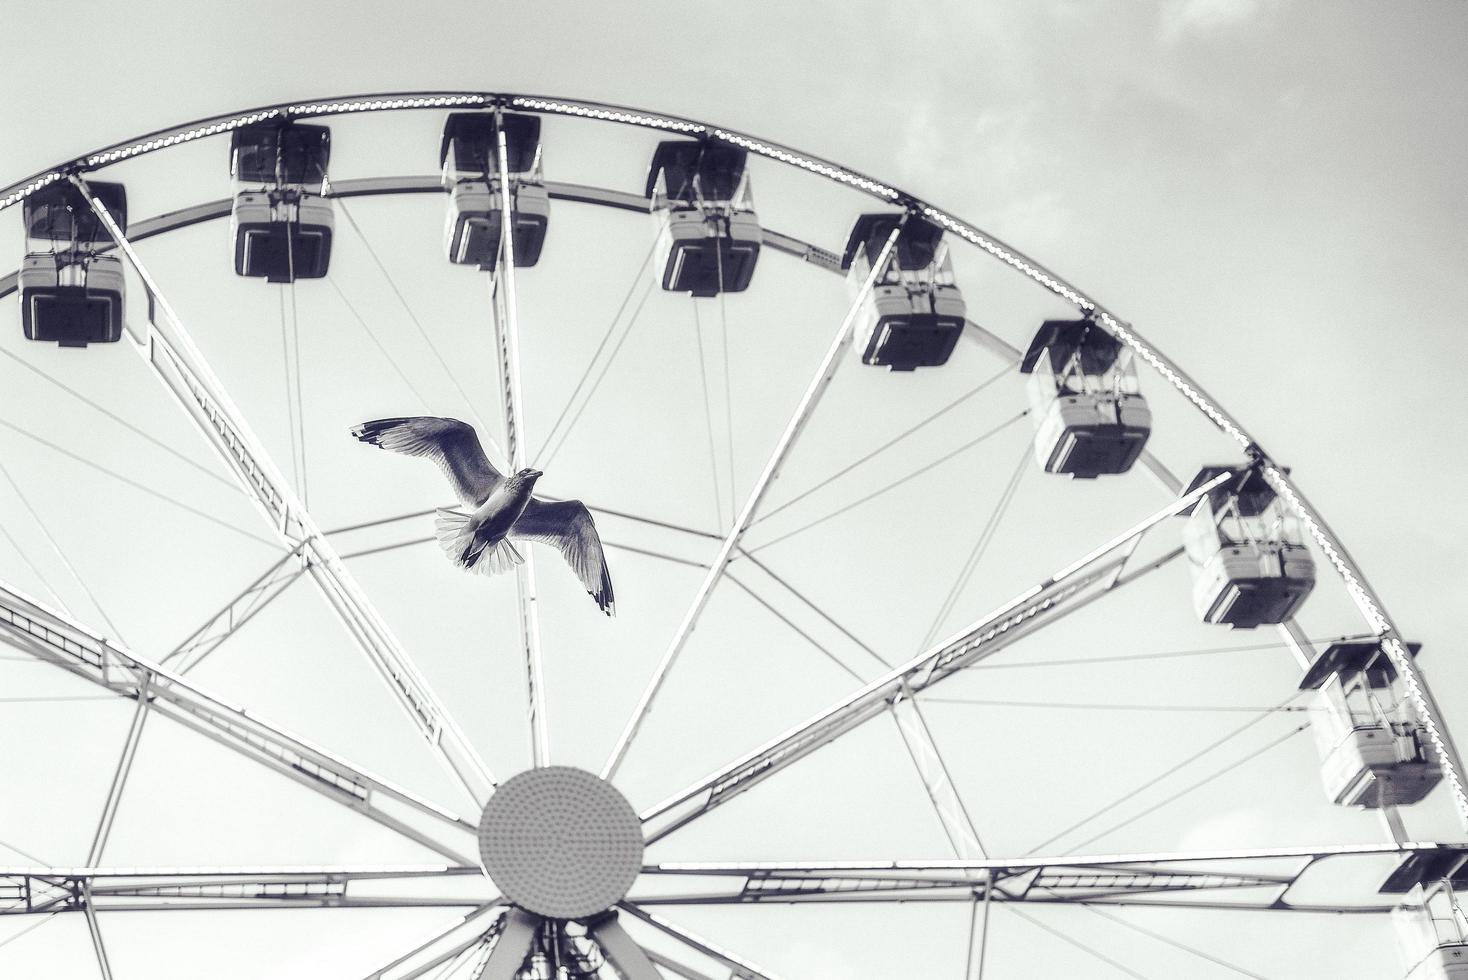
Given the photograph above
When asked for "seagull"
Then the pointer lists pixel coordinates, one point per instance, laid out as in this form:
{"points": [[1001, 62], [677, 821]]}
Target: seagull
{"points": [[501, 507]]}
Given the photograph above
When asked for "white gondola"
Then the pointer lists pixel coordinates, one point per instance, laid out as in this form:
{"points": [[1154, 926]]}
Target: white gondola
{"points": [[1431, 924], [69, 293], [708, 237], [469, 157], [1247, 552], [281, 224], [1373, 749], [1085, 402], [915, 313]]}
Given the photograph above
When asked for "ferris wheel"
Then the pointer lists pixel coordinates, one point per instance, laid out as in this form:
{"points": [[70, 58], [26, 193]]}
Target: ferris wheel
{"points": [[894, 514]]}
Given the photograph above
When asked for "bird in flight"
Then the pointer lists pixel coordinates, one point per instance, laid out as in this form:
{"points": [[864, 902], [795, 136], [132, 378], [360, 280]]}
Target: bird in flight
{"points": [[500, 507]]}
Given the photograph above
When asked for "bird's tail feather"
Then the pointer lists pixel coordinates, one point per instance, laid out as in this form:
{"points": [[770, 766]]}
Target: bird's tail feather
{"points": [[453, 533], [500, 558], [456, 538]]}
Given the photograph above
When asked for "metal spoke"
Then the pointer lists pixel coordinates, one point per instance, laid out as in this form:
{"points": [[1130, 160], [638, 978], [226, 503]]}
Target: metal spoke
{"points": [[803, 412], [507, 350], [742, 968], [1243, 879], [517, 936], [119, 779], [396, 970], [95, 930], [948, 805], [806, 601], [236, 613], [178, 363], [56, 639], [1071, 588], [630, 960]]}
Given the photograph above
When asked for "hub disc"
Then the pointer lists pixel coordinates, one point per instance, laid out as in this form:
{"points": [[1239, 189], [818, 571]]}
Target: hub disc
{"points": [[560, 842]]}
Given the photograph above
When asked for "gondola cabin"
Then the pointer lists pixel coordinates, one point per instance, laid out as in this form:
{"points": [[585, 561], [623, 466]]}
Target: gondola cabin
{"points": [[70, 293], [708, 237], [470, 160], [1431, 921], [281, 224], [1373, 750], [914, 314], [1086, 405], [1248, 556]]}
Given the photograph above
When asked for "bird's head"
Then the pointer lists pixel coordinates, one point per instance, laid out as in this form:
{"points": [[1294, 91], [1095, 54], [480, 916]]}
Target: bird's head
{"points": [[528, 475]]}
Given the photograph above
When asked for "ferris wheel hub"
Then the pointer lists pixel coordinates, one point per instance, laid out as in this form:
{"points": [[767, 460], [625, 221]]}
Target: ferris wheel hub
{"points": [[561, 842]]}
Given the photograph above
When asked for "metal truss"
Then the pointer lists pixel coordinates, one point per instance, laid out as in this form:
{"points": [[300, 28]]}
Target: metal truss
{"points": [[1226, 880], [506, 306], [1067, 590], [176, 360], [54, 638], [37, 891]]}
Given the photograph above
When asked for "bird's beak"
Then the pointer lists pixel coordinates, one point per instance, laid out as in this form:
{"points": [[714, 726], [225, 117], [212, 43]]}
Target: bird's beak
{"points": [[537, 474]]}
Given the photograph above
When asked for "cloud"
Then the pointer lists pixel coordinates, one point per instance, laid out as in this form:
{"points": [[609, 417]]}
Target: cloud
{"points": [[1205, 18]]}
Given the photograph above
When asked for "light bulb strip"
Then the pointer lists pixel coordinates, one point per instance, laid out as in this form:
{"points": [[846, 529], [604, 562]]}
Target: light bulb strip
{"points": [[806, 163], [173, 139], [608, 115]]}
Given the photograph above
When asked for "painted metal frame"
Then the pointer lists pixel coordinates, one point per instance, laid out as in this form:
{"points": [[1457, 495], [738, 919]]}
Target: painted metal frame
{"points": [[177, 362]]}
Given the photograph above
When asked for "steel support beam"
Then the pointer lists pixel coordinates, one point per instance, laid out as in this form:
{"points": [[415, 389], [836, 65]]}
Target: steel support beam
{"points": [[1069, 589], [948, 805], [95, 930], [516, 938], [119, 778], [40, 891], [824, 374], [1246, 879], [507, 350], [741, 968], [170, 351], [630, 960], [411, 964], [48, 635]]}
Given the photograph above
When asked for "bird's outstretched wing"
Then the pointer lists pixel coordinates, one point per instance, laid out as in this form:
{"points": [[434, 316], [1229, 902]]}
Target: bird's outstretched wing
{"points": [[450, 443], [567, 524]]}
